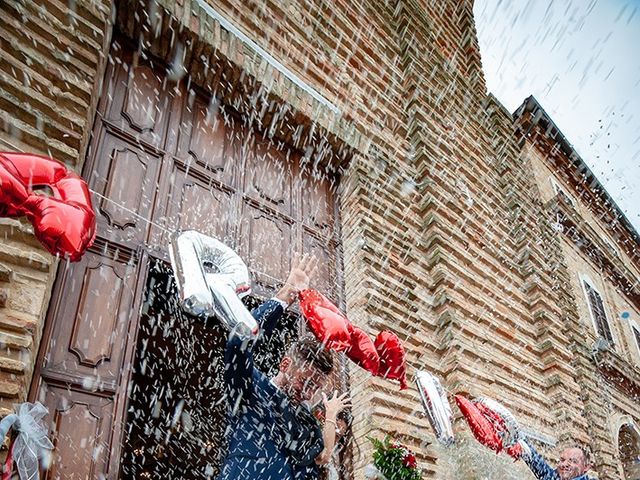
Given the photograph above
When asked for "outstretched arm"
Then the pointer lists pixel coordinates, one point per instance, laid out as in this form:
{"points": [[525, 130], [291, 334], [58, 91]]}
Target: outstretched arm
{"points": [[537, 464], [238, 356], [301, 272]]}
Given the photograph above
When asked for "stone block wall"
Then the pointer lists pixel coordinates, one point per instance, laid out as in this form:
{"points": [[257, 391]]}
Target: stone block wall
{"points": [[445, 237]]}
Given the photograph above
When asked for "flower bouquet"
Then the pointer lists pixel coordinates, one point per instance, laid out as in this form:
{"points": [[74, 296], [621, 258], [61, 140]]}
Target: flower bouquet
{"points": [[392, 461]]}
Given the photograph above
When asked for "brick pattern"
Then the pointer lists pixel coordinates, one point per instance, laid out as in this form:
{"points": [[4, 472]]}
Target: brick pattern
{"points": [[51, 59], [446, 240], [25, 277], [597, 395]]}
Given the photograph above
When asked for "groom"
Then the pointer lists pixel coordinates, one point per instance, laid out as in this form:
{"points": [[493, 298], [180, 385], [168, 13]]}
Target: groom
{"points": [[273, 435]]}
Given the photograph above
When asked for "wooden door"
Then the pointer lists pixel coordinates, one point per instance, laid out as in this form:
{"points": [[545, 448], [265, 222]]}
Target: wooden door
{"points": [[163, 157], [87, 345]]}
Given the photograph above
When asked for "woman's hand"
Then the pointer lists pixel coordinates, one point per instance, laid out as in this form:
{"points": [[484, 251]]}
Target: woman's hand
{"points": [[335, 404], [332, 406], [301, 272]]}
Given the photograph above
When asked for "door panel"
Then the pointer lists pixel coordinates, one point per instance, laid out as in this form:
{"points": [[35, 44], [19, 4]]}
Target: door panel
{"points": [[138, 101], [325, 252], [90, 342], [265, 243], [206, 138], [81, 432], [195, 202], [317, 203], [126, 175], [268, 176]]}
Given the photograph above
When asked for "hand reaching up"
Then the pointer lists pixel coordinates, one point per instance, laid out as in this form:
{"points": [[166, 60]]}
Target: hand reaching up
{"points": [[334, 405], [301, 272]]}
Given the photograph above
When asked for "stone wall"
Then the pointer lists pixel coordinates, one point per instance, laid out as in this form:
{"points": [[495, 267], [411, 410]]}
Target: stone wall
{"points": [[445, 232], [51, 67]]}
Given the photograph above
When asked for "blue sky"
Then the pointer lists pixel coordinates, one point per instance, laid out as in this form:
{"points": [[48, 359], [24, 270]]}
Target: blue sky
{"points": [[581, 60]]}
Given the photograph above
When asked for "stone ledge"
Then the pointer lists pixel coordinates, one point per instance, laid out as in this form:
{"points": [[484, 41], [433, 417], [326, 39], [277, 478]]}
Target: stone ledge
{"points": [[12, 366], [6, 274], [12, 340], [12, 323], [25, 257], [10, 389]]}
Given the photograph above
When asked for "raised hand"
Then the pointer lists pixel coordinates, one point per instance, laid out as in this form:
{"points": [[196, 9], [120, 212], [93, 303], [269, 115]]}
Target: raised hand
{"points": [[335, 404], [301, 273]]}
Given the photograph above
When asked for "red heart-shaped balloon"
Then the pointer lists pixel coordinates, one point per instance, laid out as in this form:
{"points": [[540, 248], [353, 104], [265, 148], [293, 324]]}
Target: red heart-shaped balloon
{"points": [[363, 351], [328, 324], [392, 358], [482, 427], [64, 223], [13, 192], [60, 227]]}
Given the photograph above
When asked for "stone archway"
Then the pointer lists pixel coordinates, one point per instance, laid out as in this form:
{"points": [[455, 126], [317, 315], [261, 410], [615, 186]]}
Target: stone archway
{"points": [[629, 450]]}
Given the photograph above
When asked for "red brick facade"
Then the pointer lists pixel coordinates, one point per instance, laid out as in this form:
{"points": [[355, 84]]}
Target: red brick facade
{"points": [[447, 236]]}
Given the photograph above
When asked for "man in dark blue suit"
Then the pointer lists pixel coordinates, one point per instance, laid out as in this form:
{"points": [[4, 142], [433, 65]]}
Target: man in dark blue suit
{"points": [[273, 435], [574, 464]]}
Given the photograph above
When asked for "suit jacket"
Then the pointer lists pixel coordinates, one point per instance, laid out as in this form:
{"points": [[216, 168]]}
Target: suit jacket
{"points": [[541, 469], [270, 438]]}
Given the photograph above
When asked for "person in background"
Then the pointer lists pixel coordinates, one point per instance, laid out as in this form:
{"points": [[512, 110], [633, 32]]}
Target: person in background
{"points": [[574, 464], [336, 469]]}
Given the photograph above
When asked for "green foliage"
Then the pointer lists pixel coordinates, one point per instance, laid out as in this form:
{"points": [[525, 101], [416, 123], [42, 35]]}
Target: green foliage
{"points": [[394, 461]]}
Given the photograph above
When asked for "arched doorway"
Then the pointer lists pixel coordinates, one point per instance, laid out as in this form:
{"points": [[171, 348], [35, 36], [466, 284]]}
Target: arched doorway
{"points": [[629, 449]]}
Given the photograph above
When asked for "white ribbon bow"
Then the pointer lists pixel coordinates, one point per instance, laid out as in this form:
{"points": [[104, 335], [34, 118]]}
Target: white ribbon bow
{"points": [[372, 473], [32, 443]]}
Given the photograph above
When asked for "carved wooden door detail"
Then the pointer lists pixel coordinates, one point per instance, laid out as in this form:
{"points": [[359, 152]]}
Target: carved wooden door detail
{"points": [[163, 158]]}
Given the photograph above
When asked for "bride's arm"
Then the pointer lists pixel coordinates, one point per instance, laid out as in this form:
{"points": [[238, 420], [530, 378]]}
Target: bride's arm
{"points": [[332, 406]]}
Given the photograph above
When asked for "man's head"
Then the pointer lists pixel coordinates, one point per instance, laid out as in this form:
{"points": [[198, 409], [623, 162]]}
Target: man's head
{"points": [[304, 369], [574, 462]]}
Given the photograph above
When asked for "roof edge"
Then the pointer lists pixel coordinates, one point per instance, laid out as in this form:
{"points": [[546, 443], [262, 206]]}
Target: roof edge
{"points": [[531, 105]]}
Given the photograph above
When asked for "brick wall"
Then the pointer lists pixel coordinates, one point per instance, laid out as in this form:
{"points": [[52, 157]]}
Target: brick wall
{"points": [[603, 398], [51, 59], [446, 239]]}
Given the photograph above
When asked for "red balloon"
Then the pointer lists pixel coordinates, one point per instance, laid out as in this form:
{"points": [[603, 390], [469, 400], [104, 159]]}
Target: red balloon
{"points": [[65, 223], [327, 323], [392, 358], [13, 193], [363, 351], [481, 427], [515, 451], [488, 426]]}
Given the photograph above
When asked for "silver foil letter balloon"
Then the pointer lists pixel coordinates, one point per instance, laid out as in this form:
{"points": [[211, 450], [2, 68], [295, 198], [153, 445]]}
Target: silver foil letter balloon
{"points": [[512, 433], [436, 406], [211, 280]]}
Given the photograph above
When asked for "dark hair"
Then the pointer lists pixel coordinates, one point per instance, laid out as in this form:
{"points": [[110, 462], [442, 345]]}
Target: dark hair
{"points": [[347, 418], [307, 349], [348, 450]]}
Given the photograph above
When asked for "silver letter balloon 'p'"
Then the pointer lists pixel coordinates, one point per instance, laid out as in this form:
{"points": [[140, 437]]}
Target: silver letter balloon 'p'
{"points": [[211, 279], [436, 406]]}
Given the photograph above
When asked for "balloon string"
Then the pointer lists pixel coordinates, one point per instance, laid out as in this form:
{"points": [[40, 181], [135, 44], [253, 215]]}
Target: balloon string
{"points": [[135, 214], [170, 232]]}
